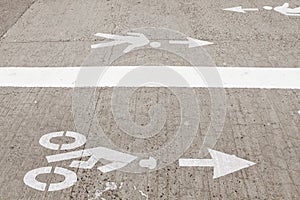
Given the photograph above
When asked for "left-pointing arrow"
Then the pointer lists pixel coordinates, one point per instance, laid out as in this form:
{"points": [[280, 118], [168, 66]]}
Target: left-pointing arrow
{"points": [[223, 163], [239, 9]]}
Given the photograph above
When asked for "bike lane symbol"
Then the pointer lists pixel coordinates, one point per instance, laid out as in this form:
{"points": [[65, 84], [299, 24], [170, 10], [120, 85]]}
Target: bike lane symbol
{"points": [[117, 160]]}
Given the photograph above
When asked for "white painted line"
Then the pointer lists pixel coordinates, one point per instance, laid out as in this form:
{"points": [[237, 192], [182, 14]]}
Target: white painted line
{"points": [[134, 39], [191, 42], [239, 9], [250, 9], [232, 77]]}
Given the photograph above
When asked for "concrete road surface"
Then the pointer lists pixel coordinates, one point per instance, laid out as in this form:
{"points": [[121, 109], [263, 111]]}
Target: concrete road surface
{"points": [[260, 125]]}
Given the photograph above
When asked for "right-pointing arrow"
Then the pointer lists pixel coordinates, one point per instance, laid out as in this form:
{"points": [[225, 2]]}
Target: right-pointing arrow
{"points": [[134, 40], [192, 42], [223, 163]]}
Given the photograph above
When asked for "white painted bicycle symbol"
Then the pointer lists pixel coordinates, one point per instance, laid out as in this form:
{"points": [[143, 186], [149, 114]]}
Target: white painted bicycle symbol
{"points": [[84, 103], [222, 163], [117, 161]]}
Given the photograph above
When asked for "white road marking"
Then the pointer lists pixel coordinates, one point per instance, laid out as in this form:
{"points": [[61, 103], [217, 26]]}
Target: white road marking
{"points": [[239, 9], [30, 179], [285, 10], [70, 179], [155, 44], [191, 42], [79, 140], [134, 39], [223, 163], [117, 159], [268, 7], [45, 140], [148, 163], [232, 77], [112, 166]]}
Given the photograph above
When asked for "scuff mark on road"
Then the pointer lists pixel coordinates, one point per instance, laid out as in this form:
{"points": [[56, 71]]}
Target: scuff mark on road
{"points": [[143, 194]]}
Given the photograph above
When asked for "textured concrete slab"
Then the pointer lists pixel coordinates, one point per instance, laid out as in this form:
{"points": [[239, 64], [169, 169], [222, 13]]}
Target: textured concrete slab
{"points": [[262, 126], [260, 38], [10, 12], [254, 129]]}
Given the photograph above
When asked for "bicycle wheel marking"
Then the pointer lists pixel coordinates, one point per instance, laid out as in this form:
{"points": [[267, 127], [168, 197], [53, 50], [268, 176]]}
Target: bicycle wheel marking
{"points": [[45, 140], [30, 178]]}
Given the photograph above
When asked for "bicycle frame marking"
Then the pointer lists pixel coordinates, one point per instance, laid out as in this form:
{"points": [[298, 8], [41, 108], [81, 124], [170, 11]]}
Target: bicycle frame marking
{"points": [[118, 159]]}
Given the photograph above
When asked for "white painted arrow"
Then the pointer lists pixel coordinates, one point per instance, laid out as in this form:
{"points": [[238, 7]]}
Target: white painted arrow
{"points": [[191, 42], [239, 9], [134, 39], [285, 10], [223, 163]]}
